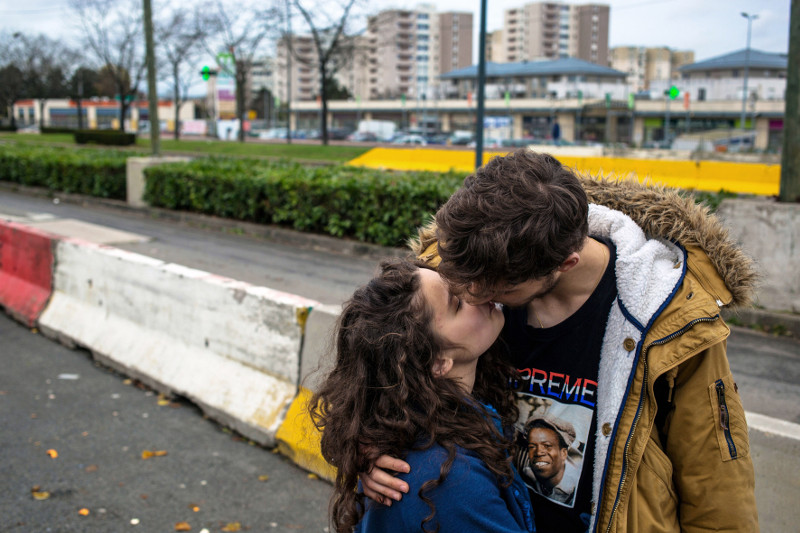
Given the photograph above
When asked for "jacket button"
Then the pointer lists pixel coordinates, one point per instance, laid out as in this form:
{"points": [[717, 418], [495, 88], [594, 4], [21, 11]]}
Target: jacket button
{"points": [[629, 344], [606, 429]]}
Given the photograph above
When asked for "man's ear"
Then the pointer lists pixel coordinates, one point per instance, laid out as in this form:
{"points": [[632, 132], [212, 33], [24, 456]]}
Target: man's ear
{"points": [[442, 366], [568, 263]]}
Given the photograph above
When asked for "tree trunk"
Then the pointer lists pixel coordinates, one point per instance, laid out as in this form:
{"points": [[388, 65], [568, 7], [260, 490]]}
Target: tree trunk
{"points": [[176, 94], [324, 102], [241, 76], [41, 114]]}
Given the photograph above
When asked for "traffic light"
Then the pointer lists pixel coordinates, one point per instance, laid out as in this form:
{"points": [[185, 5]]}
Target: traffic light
{"points": [[672, 92], [206, 73]]}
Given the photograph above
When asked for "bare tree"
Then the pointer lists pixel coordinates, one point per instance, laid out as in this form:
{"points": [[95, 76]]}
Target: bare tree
{"points": [[112, 31], [179, 34], [12, 77], [235, 39], [37, 67], [335, 46]]}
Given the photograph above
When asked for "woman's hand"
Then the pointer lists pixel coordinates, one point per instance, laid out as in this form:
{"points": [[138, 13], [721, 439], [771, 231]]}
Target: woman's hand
{"points": [[381, 486]]}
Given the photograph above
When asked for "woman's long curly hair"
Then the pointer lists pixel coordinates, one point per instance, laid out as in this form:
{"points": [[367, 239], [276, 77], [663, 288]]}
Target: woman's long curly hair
{"points": [[382, 397]]}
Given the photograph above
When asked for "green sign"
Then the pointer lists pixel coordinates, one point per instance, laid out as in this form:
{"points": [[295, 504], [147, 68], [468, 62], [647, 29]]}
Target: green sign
{"points": [[508, 98], [631, 101], [608, 100], [403, 99], [580, 97], [673, 92]]}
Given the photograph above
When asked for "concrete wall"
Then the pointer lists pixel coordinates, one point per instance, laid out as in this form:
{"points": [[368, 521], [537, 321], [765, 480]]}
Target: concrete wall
{"points": [[769, 232]]}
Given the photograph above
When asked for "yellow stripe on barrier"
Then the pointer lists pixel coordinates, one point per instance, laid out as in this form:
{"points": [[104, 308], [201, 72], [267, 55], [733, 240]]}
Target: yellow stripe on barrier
{"points": [[747, 178], [298, 438]]}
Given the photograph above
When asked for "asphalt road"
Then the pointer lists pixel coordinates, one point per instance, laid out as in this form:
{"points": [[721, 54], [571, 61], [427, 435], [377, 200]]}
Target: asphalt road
{"points": [[99, 424]]}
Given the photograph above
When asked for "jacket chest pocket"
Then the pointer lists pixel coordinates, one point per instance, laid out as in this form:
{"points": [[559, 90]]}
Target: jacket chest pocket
{"points": [[728, 415]]}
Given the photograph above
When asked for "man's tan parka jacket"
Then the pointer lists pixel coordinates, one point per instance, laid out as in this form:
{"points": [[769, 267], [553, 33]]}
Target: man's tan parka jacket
{"points": [[672, 445]]}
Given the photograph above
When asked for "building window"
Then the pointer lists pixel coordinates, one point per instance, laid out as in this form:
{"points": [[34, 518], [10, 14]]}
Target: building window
{"points": [[422, 16], [423, 27], [422, 47]]}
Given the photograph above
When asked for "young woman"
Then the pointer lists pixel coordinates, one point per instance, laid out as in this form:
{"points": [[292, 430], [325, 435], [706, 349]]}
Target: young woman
{"points": [[416, 377]]}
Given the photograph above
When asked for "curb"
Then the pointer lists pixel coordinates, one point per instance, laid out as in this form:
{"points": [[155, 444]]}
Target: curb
{"points": [[784, 324]]}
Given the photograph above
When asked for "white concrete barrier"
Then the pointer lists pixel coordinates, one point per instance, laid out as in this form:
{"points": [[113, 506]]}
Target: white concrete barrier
{"points": [[230, 347]]}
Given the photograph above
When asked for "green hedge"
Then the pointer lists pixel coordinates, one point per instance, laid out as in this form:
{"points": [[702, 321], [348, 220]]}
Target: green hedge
{"points": [[367, 205], [92, 172], [50, 129], [7, 127], [107, 137]]}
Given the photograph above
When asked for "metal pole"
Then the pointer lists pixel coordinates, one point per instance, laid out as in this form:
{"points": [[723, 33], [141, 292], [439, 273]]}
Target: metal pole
{"points": [[666, 124], [790, 155], [288, 72], [152, 95], [481, 87], [750, 19]]}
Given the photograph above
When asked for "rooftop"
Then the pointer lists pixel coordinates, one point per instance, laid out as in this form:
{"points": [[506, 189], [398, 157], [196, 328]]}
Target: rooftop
{"points": [[758, 59], [566, 66]]}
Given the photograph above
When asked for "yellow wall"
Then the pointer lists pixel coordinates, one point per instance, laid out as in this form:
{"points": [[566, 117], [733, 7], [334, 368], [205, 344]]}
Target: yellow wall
{"points": [[749, 178]]}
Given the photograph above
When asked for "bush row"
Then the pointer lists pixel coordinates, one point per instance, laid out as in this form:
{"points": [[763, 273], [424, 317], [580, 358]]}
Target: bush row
{"points": [[8, 127], [364, 204], [92, 172], [106, 137], [53, 129]]}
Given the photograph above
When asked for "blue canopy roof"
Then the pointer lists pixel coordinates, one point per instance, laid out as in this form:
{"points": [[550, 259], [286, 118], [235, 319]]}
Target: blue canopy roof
{"points": [[569, 66], [758, 59]]}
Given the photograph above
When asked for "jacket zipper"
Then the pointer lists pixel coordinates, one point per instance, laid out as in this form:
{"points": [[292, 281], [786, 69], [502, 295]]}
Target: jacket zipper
{"points": [[625, 457], [724, 418]]}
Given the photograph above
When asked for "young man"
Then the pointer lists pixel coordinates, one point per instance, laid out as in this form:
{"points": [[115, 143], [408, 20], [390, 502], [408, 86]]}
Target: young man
{"points": [[613, 320]]}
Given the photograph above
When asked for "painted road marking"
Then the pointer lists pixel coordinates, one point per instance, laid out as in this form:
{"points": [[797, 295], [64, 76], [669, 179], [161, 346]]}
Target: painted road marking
{"points": [[773, 426]]}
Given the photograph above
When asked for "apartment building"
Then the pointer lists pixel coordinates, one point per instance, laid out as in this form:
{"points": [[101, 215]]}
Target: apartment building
{"points": [[646, 65], [407, 50], [554, 30], [303, 77]]}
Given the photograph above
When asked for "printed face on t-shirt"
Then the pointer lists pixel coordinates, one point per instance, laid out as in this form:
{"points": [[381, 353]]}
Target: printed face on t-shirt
{"points": [[547, 457]]}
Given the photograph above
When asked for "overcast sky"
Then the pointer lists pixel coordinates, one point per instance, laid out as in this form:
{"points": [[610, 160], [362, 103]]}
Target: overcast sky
{"points": [[708, 27]]}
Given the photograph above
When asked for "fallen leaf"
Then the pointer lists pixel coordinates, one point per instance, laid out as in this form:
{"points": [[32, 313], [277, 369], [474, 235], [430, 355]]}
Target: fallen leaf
{"points": [[264, 477], [313, 476], [163, 400], [52, 453], [183, 526], [194, 508], [143, 496], [34, 330], [85, 434], [91, 468], [34, 415], [40, 494], [232, 526], [84, 512], [147, 454], [127, 382]]}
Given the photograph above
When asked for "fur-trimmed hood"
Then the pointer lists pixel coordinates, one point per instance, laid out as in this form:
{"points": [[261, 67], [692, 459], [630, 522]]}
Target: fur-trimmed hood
{"points": [[660, 212]]}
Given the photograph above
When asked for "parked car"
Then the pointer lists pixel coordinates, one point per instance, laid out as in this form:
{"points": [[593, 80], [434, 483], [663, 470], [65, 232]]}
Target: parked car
{"points": [[362, 136], [437, 138], [338, 134], [273, 133], [412, 139]]}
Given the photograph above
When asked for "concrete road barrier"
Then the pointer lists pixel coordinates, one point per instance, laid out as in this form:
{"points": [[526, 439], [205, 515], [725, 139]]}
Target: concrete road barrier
{"points": [[26, 263], [230, 347]]}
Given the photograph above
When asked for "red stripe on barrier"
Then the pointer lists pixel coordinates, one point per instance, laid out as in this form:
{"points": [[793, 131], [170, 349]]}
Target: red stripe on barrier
{"points": [[26, 271]]}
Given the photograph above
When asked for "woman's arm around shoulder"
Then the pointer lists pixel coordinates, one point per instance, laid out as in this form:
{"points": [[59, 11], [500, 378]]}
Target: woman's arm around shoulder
{"points": [[469, 499]]}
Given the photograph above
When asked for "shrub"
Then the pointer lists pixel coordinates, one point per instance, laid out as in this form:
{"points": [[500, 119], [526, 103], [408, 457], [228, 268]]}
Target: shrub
{"points": [[8, 127], [364, 204], [106, 137], [49, 129], [98, 173]]}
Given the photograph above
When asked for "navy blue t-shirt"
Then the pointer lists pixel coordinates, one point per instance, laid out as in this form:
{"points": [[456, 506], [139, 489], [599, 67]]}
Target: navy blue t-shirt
{"points": [[557, 399]]}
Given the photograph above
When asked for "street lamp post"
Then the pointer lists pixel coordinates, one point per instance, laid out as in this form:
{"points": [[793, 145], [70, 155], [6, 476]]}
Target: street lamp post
{"points": [[750, 19]]}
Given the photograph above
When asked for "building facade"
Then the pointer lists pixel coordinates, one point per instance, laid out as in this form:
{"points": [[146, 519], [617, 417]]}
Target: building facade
{"points": [[553, 30], [645, 65]]}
